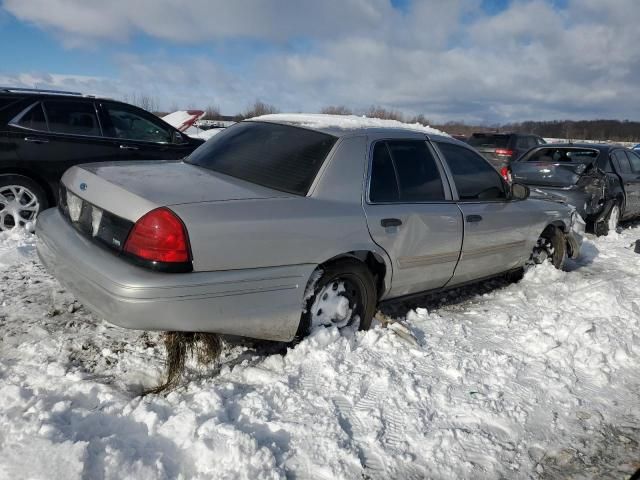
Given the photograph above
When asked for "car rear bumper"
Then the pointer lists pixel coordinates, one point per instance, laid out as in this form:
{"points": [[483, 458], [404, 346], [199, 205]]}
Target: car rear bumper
{"points": [[263, 303]]}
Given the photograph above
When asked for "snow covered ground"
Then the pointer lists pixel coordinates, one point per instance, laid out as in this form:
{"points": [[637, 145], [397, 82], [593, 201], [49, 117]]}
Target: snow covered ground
{"points": [[538, 379]]}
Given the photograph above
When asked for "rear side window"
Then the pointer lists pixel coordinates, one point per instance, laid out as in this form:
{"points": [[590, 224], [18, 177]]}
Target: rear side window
{"points": [[475, 179], [489, 140], [405, 171], [34, 119], [281, 157], [76, 118]]}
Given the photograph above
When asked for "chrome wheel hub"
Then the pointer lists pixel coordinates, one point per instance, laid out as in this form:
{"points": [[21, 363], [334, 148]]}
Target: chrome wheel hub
{"points": [[18, 206]]}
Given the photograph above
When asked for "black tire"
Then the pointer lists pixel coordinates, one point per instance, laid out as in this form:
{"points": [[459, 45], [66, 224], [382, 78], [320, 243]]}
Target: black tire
{"points": [[33, 188], [556, 238], [603, 227], [357, 275]]}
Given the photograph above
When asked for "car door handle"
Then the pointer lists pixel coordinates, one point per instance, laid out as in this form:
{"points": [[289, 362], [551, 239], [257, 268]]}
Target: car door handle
{"points": [[36, 140], [390, 222], [474, 218], [128, 147]]}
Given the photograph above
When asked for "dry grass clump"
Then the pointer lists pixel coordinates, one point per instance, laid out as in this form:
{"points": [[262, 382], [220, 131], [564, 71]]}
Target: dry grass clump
{"points": [[205, 348]]}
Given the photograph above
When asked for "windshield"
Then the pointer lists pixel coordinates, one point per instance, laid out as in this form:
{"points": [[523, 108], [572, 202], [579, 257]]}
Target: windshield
{"points": [[489, 140], [281, 157]]}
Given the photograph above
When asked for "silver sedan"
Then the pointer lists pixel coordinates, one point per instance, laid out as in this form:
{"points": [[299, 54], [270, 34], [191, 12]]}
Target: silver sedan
{"points": [[286, 222]]}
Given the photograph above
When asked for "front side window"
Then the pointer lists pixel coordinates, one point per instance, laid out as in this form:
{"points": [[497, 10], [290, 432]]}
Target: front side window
{"points": [[34, 119], [475, 179], [404, 171], [75, 118], [622, 162], [129, 124], [281, 157], [634, 160]]}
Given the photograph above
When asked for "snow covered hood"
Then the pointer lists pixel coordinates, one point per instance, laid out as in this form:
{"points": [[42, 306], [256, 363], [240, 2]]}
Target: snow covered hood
{"points": [[319, 121]]}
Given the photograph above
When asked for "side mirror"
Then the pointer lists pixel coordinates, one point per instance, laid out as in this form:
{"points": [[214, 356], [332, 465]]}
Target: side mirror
{"points": [[519, 192], [178, 138]]}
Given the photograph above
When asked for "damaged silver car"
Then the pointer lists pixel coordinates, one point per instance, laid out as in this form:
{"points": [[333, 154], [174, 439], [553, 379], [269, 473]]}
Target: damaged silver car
{"points": [[283, 223]]}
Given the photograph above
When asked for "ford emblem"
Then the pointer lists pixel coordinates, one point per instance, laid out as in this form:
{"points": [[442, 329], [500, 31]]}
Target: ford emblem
{"points": [[83, 186]]}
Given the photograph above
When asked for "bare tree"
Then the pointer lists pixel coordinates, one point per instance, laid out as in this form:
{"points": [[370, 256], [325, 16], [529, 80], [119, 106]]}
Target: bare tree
{"points": [[376, 111], [258, 108], [421, 119], [212, 112], [142, 100], [336, 110]]}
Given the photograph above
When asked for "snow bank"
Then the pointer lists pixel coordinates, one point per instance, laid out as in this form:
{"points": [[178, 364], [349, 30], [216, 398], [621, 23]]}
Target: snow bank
{"points": [[344, 122], [532, 380]]}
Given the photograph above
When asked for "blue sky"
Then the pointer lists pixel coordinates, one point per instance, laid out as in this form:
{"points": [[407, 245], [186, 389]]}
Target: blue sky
{"points": [[311, 54]]}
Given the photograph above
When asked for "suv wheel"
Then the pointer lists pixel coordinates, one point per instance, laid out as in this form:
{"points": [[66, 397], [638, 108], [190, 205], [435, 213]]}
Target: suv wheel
{"points": [[344, 295], [608, 223], [21, 199]]}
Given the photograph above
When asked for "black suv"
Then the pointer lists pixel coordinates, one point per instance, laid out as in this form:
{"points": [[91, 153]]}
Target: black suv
{"points": [[501, 148], [44, 132]]}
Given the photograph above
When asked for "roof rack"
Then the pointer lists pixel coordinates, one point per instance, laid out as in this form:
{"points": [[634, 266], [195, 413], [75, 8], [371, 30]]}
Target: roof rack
{"points": [[38, 90]]}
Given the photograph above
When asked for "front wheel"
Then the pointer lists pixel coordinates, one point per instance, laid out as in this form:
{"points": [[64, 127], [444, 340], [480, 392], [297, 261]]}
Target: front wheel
{"points": [[344, 295], [551, 247], [608, 223], [21, 199]]}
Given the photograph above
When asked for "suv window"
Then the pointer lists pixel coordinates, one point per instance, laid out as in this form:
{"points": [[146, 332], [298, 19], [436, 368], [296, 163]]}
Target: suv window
{"points": [[281, 157], [474, 177], [34, 119], [405, 171], [130, 124], [522, 143], [77, 118], [634, 160]]}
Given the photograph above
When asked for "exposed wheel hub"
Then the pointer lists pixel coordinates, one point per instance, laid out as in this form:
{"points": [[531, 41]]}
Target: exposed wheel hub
{"points": [[18, 206], [335, 304]]}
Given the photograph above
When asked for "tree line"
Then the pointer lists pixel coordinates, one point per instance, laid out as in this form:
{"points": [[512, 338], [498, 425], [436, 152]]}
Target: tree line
{"points": [[613, 130]]}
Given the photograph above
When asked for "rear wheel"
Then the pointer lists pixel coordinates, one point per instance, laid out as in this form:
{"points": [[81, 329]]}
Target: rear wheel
{"points": [[21, 199], [343, 296], [608, 223], [551, 247]]}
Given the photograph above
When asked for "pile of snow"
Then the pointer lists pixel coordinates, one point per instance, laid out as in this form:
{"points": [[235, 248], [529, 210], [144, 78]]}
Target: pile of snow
{"points": [[344, 122], [196, 132], [531, 380]]}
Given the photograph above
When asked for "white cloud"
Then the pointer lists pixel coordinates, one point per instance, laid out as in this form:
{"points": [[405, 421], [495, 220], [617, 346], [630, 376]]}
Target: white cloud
{"points": [[444, 59]]}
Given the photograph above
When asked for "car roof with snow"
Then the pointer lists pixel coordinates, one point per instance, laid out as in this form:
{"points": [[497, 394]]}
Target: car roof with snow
{"points": [[343, 125]]}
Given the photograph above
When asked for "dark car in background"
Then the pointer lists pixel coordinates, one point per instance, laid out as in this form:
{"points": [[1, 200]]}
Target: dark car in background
{"points": [[502, 148], [44, 132], [601, 181]]}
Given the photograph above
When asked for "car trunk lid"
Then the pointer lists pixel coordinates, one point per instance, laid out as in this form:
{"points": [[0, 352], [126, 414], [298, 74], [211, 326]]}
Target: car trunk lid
{"points": [[131, 189], [548, 173]]}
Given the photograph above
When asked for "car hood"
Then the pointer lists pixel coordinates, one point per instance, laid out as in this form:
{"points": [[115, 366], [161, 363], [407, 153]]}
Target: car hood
{"points": [[130, 189]]}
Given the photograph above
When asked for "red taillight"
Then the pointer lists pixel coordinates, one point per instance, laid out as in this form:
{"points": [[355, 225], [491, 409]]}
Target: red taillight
{"points": [[506, 173], [504, 152], [159, 236]]}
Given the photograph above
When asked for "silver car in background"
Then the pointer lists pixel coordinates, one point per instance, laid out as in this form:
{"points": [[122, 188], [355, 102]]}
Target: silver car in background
{"points": [[286, 222]]}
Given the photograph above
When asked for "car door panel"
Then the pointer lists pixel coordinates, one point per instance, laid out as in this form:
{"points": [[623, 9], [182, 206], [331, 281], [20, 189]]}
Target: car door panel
{"points": [[623, 168], [424, 249], [411, 216], [497, 231], [632, 182]]}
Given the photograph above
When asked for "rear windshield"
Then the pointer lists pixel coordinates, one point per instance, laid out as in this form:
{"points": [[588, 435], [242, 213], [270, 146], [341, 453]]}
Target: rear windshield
{"points": [[281, 157], [563, 155], [492, 140]]}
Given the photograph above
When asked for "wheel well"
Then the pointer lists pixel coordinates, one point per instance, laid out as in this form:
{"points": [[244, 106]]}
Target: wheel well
{"points": [[51, 198], [372, 260]]}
